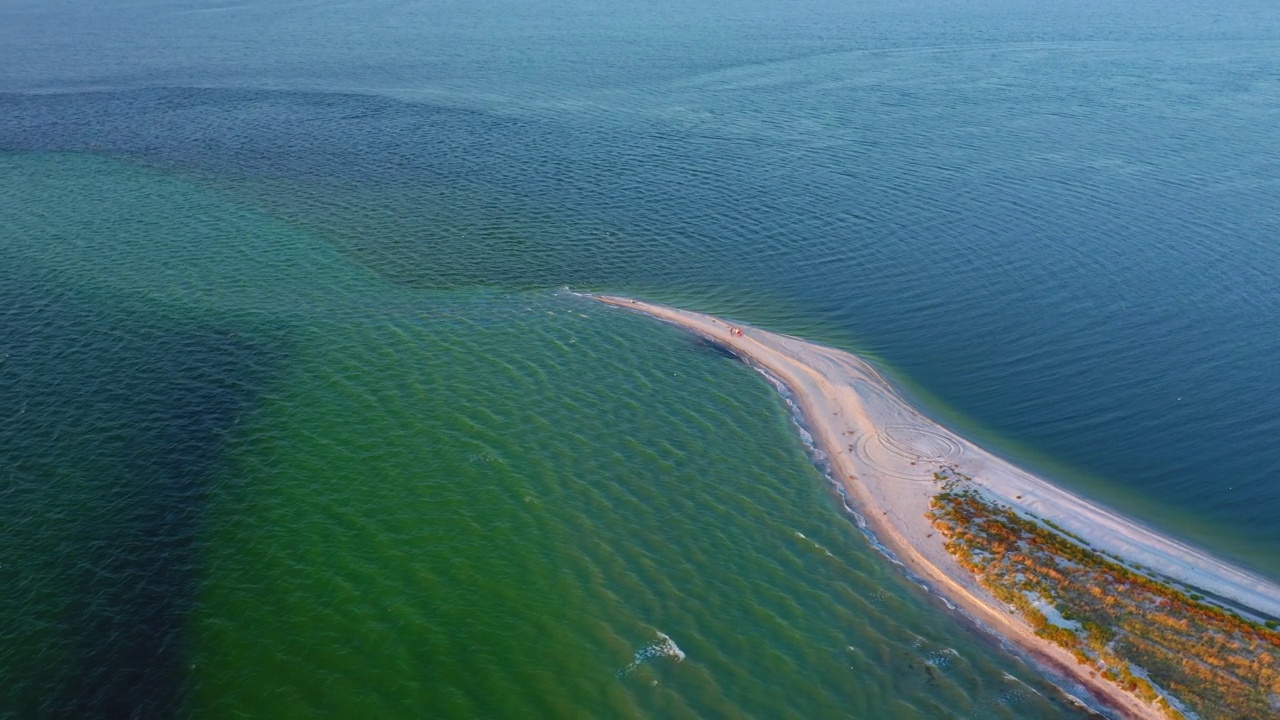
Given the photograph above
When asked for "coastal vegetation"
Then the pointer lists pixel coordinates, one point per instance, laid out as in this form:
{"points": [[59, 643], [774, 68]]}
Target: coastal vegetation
{"points": [[1183, 655]]}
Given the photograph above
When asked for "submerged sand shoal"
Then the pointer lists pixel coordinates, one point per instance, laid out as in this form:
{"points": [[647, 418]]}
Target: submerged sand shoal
{"points": [[885, 453]]}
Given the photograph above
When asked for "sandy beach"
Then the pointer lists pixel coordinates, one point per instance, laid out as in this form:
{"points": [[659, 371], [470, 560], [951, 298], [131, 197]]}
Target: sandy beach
{"points": [[885, 453]]}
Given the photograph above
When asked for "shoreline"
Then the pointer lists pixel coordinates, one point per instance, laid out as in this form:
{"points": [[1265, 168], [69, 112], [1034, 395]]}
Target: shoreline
{"points": [[884, 453]]}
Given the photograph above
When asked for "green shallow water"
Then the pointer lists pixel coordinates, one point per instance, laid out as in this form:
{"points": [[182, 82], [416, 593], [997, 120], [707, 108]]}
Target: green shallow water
{"points": [[250, 477]]}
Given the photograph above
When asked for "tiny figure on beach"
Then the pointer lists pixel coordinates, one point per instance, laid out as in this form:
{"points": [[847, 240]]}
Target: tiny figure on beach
{"points": [[735, 332]]}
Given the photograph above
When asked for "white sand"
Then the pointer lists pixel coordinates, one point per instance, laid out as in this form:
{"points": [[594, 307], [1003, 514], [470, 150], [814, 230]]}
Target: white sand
{"points": [[885, 453]]}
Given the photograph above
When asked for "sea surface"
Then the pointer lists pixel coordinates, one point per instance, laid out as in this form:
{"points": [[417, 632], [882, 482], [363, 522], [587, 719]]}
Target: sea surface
{"points": [[302, 413]]}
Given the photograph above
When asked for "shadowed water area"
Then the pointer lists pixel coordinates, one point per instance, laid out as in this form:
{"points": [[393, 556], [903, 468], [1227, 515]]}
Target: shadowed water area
{"points": [[298, 421]]}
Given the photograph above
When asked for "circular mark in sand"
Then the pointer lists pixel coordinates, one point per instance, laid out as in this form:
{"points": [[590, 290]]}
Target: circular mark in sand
{"points": [[893, 448], [919, 444]]}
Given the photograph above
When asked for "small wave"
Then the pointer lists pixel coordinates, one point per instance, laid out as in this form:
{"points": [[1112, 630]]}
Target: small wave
{"points": [[1007, 698], [1013, 679], [942, 659], [664, 646], [814, 543]]}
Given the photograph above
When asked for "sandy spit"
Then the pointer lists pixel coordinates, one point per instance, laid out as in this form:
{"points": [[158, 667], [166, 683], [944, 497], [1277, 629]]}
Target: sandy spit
{"points": [[885, 453]]}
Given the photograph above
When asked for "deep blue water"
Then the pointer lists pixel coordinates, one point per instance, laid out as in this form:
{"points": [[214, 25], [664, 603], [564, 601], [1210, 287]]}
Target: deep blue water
{"points": [[1058, 226]]}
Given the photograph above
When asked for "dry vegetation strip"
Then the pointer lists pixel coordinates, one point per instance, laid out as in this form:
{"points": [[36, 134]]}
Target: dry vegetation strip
{"points": [[1148, 636]]}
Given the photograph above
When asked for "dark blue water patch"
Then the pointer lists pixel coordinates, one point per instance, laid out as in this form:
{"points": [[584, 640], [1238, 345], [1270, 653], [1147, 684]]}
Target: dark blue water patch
{"points": [[441, 197], [716, 348], [426, 195], [288, 134], [114, 428]]}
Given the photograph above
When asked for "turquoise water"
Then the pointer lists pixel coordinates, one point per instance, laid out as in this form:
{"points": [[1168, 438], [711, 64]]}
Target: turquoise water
{"points": [[299, 419]]}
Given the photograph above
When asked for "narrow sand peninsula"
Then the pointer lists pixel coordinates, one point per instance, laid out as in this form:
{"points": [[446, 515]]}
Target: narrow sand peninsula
{"points": [[885, 453]]}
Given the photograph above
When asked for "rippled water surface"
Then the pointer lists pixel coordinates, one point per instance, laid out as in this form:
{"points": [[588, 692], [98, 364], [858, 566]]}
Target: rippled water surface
{"points": [[298, 418]]}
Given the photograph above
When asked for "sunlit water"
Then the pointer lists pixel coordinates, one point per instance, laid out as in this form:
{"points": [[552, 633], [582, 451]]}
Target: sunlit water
{"points": [[298, 418]]}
